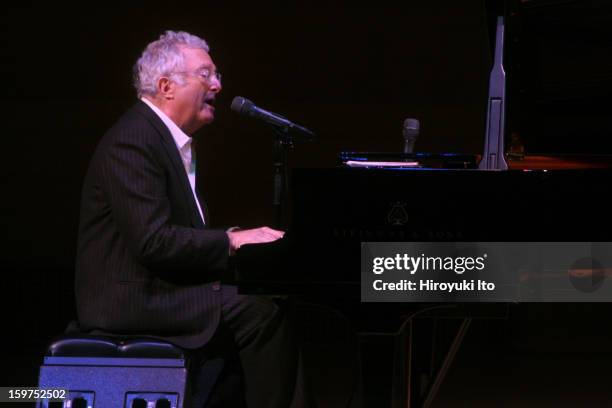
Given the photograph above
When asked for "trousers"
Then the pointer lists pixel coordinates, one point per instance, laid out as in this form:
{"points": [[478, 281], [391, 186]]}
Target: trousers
{"points": [[277, 352]]}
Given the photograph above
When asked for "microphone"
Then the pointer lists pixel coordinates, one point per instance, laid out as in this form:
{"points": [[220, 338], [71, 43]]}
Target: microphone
{"points": [[245, 107], [411, 132]]}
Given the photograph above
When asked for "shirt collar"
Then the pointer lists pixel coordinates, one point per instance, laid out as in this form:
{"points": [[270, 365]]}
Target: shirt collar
{"points": [[183, 142]]}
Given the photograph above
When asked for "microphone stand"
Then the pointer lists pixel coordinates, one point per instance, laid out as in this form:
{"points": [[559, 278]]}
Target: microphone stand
{"points": [[282, 142]]}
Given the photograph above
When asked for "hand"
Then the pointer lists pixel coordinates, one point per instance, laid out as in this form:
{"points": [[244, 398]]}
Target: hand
{"points": [[252, 236]]}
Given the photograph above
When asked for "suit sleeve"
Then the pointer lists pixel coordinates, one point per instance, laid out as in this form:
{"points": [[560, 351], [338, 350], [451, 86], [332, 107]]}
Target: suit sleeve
{"points": [[135, 184]]}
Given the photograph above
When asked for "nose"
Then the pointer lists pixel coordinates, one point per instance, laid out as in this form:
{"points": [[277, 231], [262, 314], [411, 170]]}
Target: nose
{"points": [[215, 85]]}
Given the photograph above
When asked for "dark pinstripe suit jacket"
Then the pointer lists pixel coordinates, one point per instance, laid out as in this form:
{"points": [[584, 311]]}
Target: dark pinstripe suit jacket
{"points": [[145, 261]]}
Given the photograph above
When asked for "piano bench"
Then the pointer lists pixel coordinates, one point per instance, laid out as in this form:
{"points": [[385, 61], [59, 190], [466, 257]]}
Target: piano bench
{"points": [[110, 371]]}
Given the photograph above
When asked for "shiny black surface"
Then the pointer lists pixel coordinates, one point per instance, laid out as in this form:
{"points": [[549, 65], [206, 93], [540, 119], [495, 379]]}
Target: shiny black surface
{"points": [[334, 210]]}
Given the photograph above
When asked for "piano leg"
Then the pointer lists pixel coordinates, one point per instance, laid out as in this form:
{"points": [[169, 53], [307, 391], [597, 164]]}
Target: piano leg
{"points": [[422, 359]]}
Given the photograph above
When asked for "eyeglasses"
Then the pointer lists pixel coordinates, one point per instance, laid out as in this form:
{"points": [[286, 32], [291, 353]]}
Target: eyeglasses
{"points": [[205, 73]]}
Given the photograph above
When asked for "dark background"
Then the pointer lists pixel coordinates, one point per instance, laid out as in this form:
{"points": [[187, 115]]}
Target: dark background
{"points": [[352, 74]]}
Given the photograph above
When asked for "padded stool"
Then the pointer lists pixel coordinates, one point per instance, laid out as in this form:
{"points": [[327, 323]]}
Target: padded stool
{"points": [[108, 371]]}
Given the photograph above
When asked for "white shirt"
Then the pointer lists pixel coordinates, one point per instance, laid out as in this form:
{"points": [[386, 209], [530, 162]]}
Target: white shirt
{"points": [[185, 148]]}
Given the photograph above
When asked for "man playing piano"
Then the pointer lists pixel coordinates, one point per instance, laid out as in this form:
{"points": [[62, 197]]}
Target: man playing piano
{"points": [[147, 261]]}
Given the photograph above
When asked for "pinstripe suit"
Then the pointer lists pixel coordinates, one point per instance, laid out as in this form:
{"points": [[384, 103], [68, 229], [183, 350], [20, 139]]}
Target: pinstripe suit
{"points": [[145, 261], [147, 265]]}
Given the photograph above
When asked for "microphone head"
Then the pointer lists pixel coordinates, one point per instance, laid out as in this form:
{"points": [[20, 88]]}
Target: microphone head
{"points": [[241, 105], [411, 127]]}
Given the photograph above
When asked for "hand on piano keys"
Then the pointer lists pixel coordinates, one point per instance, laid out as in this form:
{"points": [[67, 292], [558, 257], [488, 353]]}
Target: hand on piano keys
{"points": [[238, 237]]}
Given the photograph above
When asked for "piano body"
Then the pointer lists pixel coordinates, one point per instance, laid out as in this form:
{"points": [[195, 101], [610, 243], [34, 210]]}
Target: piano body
{"points": [[337, 209], [559, 195]]}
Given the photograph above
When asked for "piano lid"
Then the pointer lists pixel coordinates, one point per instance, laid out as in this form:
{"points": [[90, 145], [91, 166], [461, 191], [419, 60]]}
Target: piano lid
{"points": [[558, 80]]}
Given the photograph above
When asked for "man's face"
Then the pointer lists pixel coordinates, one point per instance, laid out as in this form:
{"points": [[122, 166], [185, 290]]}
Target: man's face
{"points": [[193, 102]]}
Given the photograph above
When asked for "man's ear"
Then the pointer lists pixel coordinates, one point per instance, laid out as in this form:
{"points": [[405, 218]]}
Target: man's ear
{"points": [[166, 87]]}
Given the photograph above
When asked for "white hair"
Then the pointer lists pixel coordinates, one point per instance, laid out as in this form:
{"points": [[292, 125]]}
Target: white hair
{"points": [[162, 58]]}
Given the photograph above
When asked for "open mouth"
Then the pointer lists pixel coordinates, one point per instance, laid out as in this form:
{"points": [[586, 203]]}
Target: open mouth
{"points": [[210, 102]]}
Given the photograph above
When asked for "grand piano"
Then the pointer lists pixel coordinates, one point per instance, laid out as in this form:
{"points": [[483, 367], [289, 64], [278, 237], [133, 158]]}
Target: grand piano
{"points": [[544, 174]]}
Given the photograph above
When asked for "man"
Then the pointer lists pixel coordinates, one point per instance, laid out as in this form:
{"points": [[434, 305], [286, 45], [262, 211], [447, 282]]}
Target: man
{"points": [[147, 262]]}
